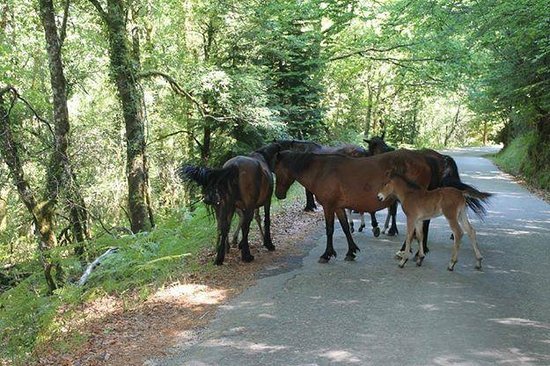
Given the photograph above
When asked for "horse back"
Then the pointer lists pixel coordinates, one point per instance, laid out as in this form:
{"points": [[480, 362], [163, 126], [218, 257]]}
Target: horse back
{"points": [[254, 179]]}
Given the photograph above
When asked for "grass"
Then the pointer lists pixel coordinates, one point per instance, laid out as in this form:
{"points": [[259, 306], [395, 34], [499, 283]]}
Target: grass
{"points": [[29, 319], [527, 158]]}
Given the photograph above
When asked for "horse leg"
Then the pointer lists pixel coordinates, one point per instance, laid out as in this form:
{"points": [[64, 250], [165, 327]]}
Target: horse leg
{"points": [[223, 218], [408, 240], [350, 221], [236, 233], [245, 249], [419, 237], [258, 219], [457, 232], [329, 226], [425, 229], [268, 243], [392, 213], [310, 202], [387, 222], [373, 223], [352, 247], [472, 235]]}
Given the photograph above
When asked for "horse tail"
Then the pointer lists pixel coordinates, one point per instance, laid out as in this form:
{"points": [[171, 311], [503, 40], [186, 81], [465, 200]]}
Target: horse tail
{"points": [[196, 174], [223, 182], [476, 200]]}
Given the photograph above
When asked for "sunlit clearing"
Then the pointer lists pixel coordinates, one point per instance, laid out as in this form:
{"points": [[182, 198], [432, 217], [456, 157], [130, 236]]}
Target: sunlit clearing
{"points": [[191, 293]]}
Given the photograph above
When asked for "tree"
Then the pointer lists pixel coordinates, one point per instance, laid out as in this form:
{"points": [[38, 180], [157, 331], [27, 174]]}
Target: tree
{"points": [[61, 176], [124, 69]]}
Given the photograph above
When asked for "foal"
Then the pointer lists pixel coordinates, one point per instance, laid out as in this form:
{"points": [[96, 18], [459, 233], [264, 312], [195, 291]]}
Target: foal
{"points": [[420, 204]]}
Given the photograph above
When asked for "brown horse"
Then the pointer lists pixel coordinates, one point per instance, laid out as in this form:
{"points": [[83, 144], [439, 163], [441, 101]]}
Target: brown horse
{"points": [[314, 147], [420, 204], [244, 183], [341, 182], [351, 150]]}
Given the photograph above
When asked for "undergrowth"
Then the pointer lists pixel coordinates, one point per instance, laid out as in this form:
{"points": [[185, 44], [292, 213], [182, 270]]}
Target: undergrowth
{"points": [[30, 319], [527, 158]]}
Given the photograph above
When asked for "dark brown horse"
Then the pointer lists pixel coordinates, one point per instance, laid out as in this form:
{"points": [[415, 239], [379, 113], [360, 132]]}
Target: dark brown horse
{"points": [[244, 183], [341, 182]]}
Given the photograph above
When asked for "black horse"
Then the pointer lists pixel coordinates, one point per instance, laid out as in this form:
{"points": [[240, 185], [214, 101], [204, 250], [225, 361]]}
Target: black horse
{"points": [[244, 183]]}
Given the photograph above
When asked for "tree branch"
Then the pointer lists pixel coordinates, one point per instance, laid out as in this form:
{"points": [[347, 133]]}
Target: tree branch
{"points": [[176, 87], [63, 29], [377, 50], [100, 10], [18, 96], [177, 133]]}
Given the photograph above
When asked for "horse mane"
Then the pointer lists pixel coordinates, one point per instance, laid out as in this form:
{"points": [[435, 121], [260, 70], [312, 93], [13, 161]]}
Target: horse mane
{"points": [[410, 183], [351, 150], [268, 153], [296, 162], [302, 145]]}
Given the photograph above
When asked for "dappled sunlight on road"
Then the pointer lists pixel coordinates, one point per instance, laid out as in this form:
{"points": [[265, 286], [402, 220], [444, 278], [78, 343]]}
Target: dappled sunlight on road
{"points": [[340, 356], [521, 322], [191, 293], [246, 346]]}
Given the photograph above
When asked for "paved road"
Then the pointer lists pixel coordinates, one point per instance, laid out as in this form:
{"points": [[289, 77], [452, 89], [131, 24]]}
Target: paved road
{"points": [[370, 312]]}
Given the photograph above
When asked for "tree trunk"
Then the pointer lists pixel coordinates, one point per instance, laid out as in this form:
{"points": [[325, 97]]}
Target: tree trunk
{"points": [[124, 74], [42, 213], [449, 131], [60, 175]]}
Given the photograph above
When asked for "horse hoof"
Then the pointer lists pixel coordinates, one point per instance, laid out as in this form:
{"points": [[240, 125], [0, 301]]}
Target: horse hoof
{"points": [[218, 262], [401, 265], [349, 258], [351, 229], [361, 228], [323, 260], [376, 232], [249, 258], [478, 265], [450, 269], [270, 247]]}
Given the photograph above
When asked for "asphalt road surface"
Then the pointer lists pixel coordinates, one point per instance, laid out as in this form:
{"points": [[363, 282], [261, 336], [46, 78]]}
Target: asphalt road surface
{"points": [[370, 312]]}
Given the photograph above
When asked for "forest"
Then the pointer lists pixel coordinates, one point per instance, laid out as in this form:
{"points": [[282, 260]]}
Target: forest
{"points": [[102, 100]]}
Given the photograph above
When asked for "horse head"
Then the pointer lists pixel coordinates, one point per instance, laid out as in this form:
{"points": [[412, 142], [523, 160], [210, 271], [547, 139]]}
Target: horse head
{"points": [[283, 174], [377, 145]]}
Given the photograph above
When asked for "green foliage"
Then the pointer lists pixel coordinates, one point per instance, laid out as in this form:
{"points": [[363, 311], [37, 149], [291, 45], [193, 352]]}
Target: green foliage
{"points": [[515, 159]]}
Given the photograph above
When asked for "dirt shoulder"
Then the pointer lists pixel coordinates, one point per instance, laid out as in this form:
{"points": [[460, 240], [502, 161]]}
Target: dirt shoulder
{"points": [[118, 333]]}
